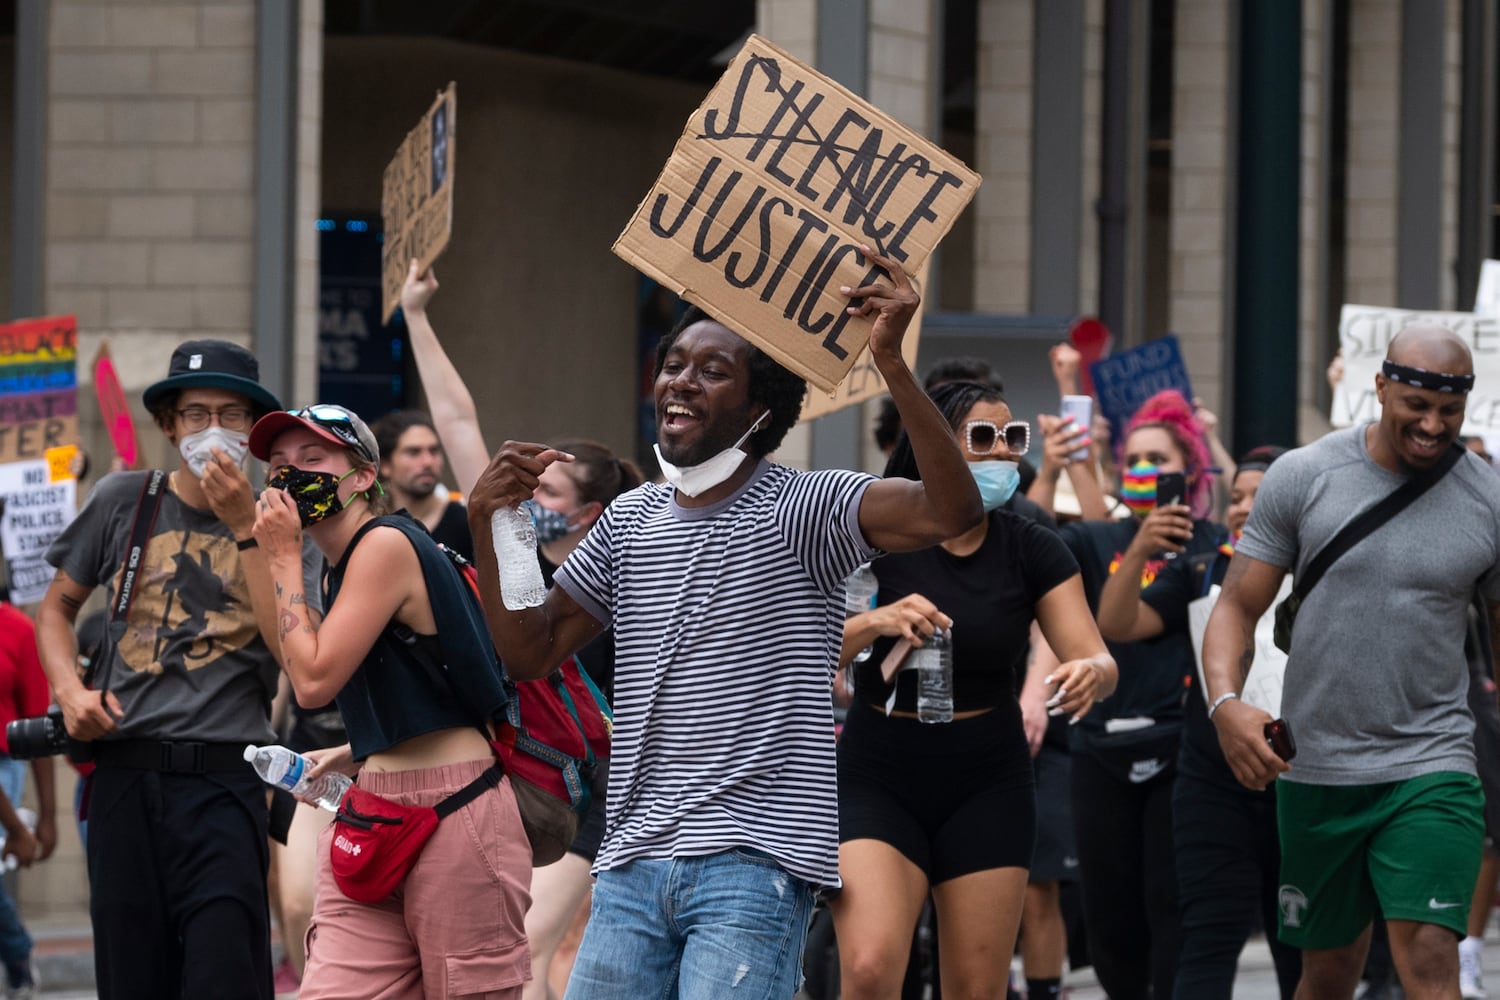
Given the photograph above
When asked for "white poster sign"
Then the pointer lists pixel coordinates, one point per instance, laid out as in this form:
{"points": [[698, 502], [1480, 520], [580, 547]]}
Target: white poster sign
{"points": [[37, 509], [1263, 686], [1366, 331]]}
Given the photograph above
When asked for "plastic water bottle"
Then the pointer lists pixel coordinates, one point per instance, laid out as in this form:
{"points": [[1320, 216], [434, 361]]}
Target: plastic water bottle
{"points": [[934, 667], [514, 536], [285, 769], [859, 593]]}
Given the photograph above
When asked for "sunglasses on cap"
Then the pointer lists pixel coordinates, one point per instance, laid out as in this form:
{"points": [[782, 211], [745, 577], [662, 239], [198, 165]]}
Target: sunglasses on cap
{"points": [[983, 437], [337, 421]]}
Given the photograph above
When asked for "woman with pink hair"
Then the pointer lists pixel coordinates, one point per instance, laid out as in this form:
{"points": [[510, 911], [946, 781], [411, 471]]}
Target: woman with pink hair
{"points": [[1125, 751]]}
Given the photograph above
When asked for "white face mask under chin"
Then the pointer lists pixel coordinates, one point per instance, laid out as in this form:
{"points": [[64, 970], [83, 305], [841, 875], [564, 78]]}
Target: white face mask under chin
{"points": [[694, 480], [196, 447]]}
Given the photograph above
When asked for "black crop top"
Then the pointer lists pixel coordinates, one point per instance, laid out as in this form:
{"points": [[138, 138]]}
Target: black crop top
{"points": [[991, 596], [411, 684]]}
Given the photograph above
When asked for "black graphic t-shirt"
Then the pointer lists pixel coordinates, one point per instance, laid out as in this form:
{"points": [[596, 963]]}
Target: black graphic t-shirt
{"points": [[192, 664]]}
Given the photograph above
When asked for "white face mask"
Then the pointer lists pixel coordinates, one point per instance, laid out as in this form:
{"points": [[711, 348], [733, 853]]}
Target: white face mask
{"points": [[195, 447], [695, 479]]}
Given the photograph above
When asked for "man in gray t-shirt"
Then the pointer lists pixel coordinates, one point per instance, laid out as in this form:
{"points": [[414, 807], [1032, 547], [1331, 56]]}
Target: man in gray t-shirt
{"points": [[177, 848], [1382, 804]]}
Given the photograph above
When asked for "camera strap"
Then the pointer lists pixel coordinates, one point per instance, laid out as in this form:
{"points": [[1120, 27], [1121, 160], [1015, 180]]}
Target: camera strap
{"points": [[140, 533]]}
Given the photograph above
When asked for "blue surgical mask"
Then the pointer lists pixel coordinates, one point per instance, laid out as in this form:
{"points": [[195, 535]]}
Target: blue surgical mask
{"points": [[997, 482], [550, 524]]}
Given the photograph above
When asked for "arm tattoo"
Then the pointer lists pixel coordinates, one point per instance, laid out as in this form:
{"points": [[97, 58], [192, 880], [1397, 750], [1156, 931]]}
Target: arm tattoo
{"points": [[288, 622], [69, 601], [278, 589], [296, 599]]}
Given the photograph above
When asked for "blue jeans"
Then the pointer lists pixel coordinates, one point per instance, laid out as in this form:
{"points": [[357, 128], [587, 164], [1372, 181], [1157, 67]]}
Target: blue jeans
{"points": [[15, 943], [706, 928]]}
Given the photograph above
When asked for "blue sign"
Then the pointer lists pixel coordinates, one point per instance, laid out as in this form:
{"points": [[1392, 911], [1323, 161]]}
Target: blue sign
{"points": [[1123, 381]]}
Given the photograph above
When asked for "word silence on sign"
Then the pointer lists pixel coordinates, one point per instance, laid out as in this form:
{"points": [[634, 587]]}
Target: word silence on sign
{"points": [[416, 199], [38, 386], [1365, 333], [777, 181]]}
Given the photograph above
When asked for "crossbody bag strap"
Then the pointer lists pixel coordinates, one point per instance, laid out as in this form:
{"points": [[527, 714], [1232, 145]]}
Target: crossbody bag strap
{"points": [[1365, 524], [146, 509]]}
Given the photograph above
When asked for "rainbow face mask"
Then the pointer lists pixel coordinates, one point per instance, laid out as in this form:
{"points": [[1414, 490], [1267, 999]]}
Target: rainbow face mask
{"points": [[1138, 488]]}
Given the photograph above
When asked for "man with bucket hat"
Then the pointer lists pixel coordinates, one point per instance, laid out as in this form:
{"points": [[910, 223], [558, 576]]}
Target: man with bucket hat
{"points": [[177, 848]]}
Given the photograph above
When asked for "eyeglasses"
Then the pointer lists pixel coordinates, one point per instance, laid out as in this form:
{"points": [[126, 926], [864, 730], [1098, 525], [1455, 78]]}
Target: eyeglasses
{"points": [[337, 421], [231, 418], [984, 436]]}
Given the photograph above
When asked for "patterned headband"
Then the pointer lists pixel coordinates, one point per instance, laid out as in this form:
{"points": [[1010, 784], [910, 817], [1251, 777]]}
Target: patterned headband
{"points": [[1421, 378]]}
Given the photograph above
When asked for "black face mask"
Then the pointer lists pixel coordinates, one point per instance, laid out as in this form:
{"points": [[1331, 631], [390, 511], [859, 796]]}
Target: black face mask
{"points": [[316, 494]]}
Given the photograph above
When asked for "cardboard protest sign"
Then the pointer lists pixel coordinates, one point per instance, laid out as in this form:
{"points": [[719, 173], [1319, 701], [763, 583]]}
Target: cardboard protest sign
{"points": [[416, 199], [114, 407], [864, 380], [38, 386], [779, 178], [1123, 381], [1366, 331], [37, 509]]}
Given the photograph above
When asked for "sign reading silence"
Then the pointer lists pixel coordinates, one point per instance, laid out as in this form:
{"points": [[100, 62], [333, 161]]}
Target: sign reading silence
{"points": [[779, 178]]}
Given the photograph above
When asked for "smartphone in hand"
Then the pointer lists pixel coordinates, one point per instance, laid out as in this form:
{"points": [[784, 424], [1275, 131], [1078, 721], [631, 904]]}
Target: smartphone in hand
{"points": [[1171, 488], [1279, 737], [1081, 409]]}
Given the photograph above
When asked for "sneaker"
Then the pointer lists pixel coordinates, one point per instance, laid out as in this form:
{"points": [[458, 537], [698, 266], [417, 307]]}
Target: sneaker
{"points": [[285, 982], [1470, 973], [26, 991]]}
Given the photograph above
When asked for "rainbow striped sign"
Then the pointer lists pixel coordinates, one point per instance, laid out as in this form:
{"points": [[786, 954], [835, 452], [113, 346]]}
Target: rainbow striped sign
{"points": [[38, 387]]}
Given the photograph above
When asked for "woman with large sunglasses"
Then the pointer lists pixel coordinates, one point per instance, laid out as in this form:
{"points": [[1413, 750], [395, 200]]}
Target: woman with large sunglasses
{"points": [[404, 651], [949, 808]]}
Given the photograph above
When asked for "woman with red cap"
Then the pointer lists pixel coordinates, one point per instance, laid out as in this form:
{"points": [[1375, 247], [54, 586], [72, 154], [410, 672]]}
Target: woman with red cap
{"points": [[404, 652]]}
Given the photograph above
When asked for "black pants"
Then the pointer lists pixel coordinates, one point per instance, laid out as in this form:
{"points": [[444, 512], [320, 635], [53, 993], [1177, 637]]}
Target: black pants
{"points": [[177, 865], [1129, 878], [1228, 863]]}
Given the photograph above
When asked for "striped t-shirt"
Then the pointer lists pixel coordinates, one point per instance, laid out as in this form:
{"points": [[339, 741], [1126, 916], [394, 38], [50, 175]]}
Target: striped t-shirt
{"points": [[728, 620]]}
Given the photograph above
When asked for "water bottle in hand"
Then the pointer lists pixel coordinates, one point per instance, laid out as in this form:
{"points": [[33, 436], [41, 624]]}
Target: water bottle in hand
{"points": [[859, 593], [289, 770], [28, 818], [933, 662], [514, 537]]}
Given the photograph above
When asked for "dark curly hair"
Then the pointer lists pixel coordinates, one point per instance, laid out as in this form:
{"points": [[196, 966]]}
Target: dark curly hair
{"points": [[954, 400], [771, 385]]}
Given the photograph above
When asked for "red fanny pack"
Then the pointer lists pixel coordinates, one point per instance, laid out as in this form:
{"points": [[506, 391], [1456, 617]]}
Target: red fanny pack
{"points": [[376, 841]]}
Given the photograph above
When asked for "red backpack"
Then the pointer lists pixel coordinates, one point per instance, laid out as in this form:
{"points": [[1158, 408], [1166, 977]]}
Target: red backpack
{"points": [[556, 728]]}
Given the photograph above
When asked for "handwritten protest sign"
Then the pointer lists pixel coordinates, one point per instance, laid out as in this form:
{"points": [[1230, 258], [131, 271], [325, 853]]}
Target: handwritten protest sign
{"points": [[1487, 295], [37, 509], [778, 179], [416, 199], [864, 381], [114, 407], [1123, 381], [38, 386], [1366, 331]]}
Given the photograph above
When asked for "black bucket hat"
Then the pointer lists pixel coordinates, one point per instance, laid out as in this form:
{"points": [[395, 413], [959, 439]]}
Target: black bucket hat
{"points": [[212, 364]]}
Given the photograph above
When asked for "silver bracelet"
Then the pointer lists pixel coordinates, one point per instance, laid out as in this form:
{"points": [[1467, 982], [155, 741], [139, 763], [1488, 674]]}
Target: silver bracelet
{"points": [[1221, 699]]}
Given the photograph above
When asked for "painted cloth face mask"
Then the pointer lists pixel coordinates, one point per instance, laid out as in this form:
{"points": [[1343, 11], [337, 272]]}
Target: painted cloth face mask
{"points": [[695, 479], [550, 524], [196, 448], [997, 482], [316, 494]]}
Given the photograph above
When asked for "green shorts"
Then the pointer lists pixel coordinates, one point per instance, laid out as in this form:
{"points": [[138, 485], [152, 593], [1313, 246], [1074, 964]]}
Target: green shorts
{"points": [[1413, 846]]}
